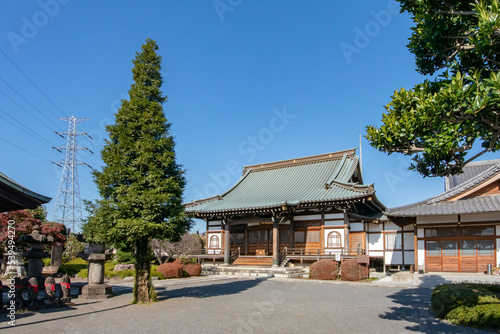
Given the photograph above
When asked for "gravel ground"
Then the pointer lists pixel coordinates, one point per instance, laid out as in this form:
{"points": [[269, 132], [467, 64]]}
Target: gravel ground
{"points": [[221, 304]]}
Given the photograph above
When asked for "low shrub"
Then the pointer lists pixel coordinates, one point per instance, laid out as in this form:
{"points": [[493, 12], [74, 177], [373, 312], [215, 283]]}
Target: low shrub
{"points": [[171, 270], [108, 272], [46, 262], [84, 273], [73, 267], [476, 305], [324, 270], [351, 270], [193, 269], [155, 273]]}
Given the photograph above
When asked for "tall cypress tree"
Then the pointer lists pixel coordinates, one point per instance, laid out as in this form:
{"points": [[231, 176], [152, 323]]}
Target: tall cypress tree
{"points": [[141, 184]]}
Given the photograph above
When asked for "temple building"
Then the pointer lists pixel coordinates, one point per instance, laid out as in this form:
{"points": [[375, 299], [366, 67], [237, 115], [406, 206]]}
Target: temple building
{"points": [[314, 207]]}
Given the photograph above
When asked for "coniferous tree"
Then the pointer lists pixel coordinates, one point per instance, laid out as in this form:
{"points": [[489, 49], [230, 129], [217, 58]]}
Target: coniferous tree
{"points": [[141, 184]]}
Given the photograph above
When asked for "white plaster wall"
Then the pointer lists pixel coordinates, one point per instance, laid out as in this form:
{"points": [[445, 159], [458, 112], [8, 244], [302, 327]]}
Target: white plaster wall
{"points": [[437, 219], [498, 230], [408, 241], [421, 252], [334, 216], [391, 227], [375, 241], [308, 217], [498, 252], [409, 257], [393, 258], [356, 227], [420, 233], [374, 227], [480, 217], [375, 253], [328, 230]]}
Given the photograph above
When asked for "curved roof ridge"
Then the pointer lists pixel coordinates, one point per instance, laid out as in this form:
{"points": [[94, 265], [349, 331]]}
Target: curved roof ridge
{"points": [[301, 161]]}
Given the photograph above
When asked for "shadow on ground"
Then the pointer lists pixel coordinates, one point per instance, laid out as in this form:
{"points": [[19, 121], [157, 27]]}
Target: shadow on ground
{"points": [[205, 291], [413, 307]]}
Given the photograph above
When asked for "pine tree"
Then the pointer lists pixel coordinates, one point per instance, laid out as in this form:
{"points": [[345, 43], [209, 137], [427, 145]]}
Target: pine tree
{"points": [[141, 184]]}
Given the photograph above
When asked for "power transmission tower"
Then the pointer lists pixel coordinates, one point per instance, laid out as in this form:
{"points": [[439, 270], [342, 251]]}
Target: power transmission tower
{"points": [[68, 208]]}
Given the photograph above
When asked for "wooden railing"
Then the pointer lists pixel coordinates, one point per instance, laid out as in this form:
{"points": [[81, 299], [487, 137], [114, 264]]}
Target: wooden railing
{"points": [[323, 252], [283, 255], [235, 254]]}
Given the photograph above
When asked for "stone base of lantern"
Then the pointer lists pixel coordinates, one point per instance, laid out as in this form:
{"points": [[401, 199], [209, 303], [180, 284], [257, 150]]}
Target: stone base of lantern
{"points": [[96, 291]]}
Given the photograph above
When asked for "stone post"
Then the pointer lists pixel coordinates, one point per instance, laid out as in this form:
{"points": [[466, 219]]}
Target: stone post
{"points": [[96, 289]]}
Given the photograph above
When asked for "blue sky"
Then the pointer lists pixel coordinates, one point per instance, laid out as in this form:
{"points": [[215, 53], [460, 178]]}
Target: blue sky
{"points": [[247, 82]]}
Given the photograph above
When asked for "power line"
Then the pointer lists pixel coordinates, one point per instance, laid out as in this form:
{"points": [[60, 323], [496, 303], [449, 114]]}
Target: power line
{"points": [[53, 75], [20, 106], [33, 83], [21, 148], [33, 96], [43, 63], [27, 101], [24, 128]]}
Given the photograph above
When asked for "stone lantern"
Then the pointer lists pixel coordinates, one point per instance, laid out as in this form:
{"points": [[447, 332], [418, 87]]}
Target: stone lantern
{"points": [[35, 252]]}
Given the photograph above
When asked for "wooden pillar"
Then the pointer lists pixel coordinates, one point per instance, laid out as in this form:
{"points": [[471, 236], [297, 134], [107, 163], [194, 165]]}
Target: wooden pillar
{"points": [[207, 241], [292, 233], [276, 243], [227, 239], [245, 240], [347, 242]]}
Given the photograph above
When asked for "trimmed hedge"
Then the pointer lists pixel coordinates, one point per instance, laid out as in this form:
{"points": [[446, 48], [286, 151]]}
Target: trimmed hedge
{"points": [[469, 304], [351, 270], [324, 270], [171, 270], [193, 269]]}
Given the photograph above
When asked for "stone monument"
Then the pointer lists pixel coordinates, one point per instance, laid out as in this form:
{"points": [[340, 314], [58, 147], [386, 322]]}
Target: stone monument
{"points": [[96, 289]]}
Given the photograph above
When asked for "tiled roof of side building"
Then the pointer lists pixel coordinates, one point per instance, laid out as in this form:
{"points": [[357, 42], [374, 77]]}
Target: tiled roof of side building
{"points": [[325, 178], [470, 170], [444, 204]]}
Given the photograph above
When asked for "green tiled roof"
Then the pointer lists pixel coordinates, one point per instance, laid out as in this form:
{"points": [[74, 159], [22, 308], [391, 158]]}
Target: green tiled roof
{"points": [[323, 179]]}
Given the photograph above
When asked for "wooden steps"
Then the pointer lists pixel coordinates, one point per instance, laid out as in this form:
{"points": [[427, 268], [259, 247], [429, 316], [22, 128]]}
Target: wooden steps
{"points": [[254, 261]]}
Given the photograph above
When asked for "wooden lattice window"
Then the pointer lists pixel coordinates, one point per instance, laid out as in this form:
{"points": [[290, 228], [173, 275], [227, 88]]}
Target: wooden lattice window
{"points": [[214, 241], [334, 240]]}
